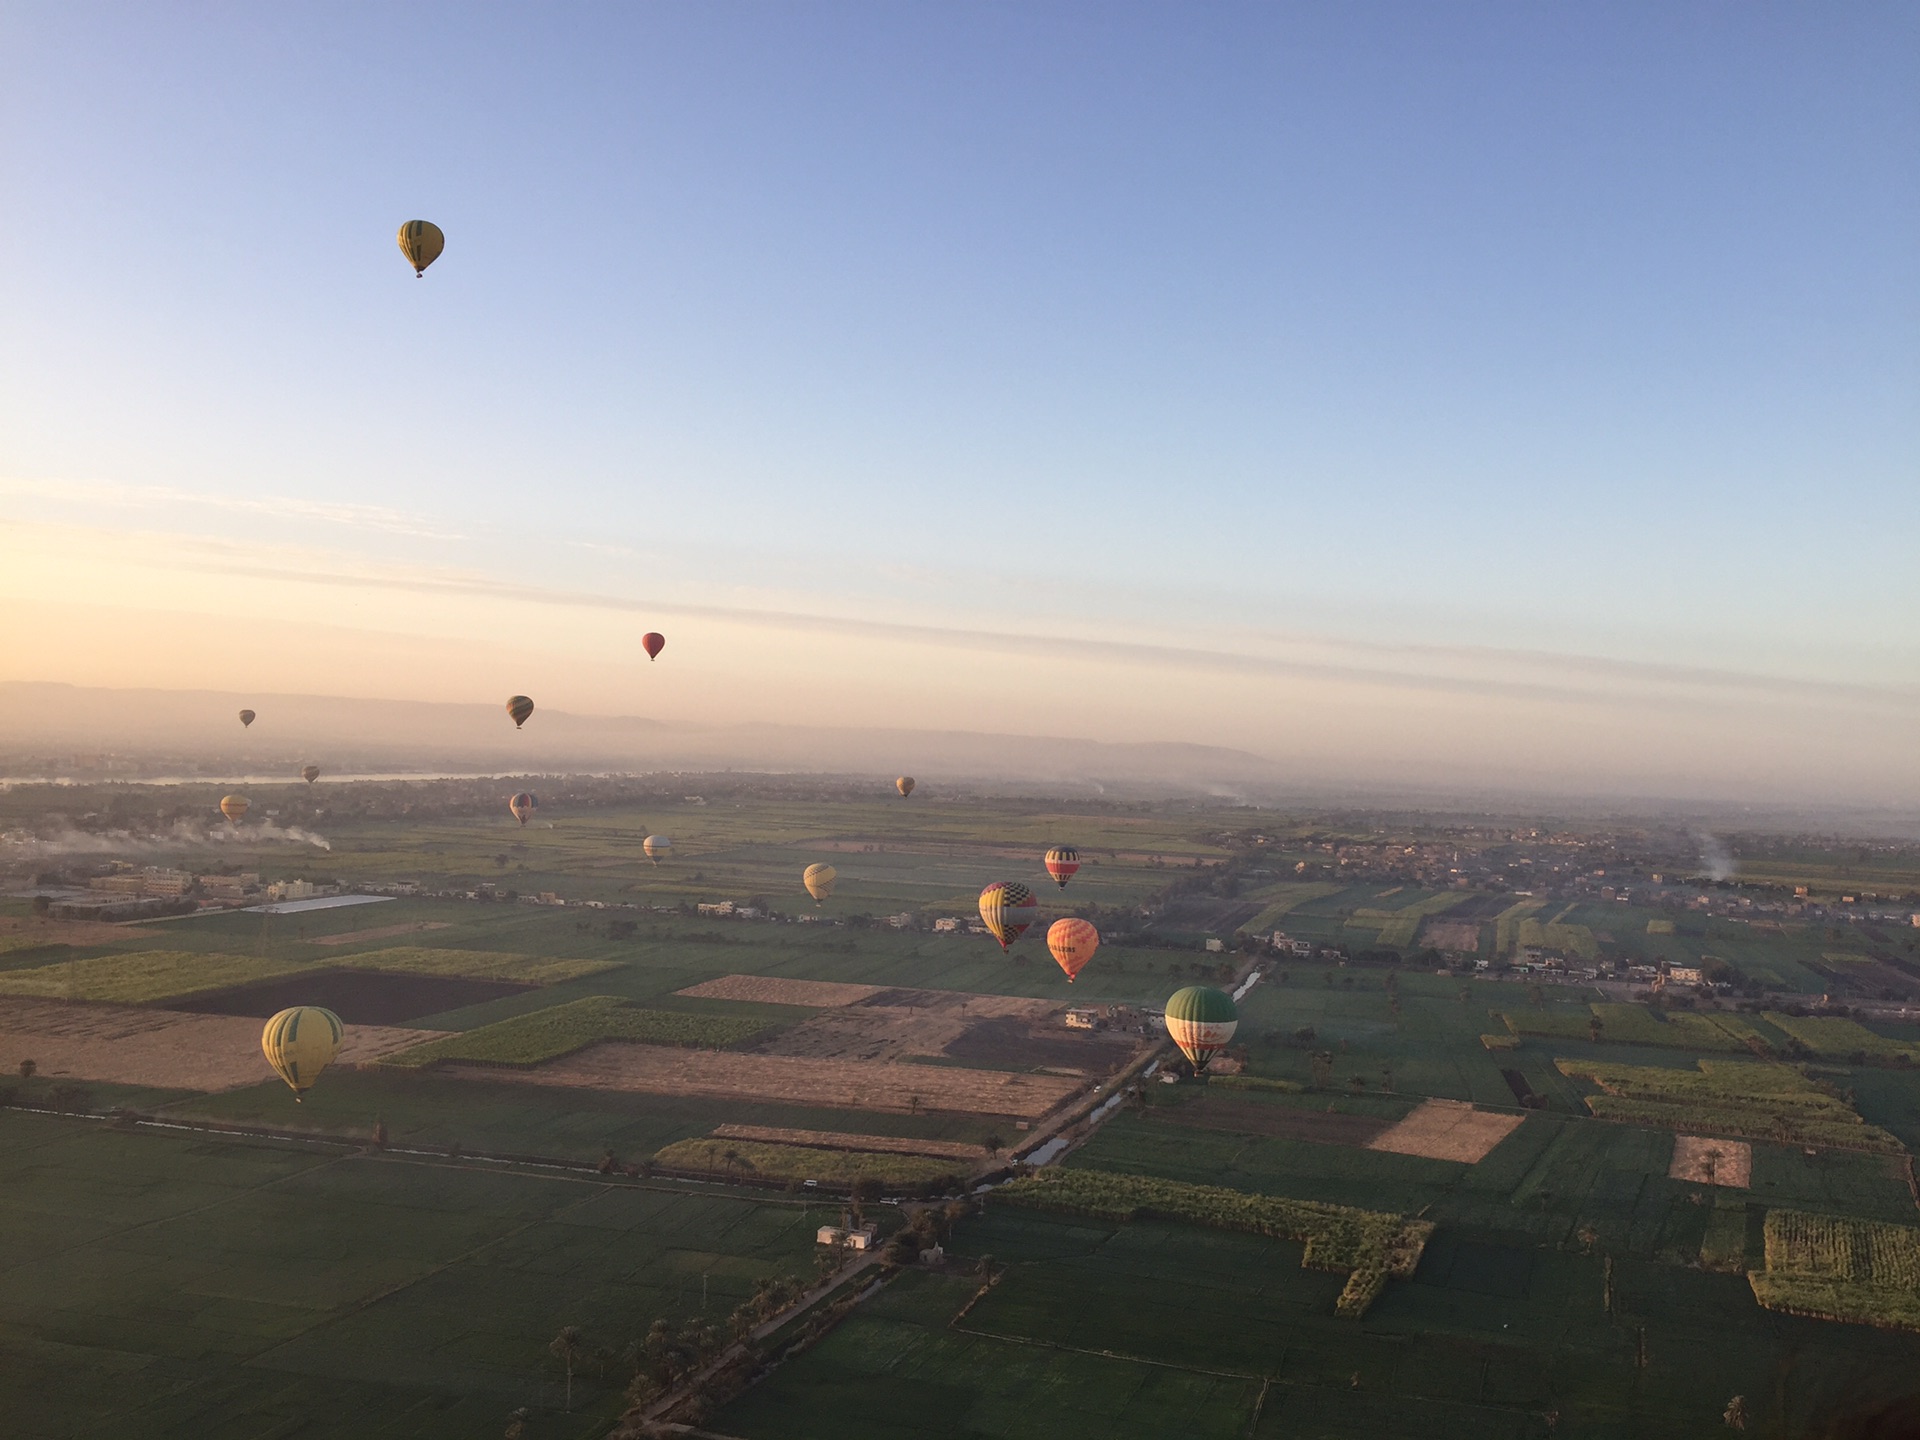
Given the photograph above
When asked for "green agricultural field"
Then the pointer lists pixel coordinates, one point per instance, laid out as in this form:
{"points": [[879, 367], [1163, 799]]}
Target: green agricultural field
{"points": [[1729, 1097], [474, 965], [751, 1159], [141, 977], [563, 1029], [1283, 899], [1837, 1268], [1837, 1037], [165, 1284], [1371, 1246]]}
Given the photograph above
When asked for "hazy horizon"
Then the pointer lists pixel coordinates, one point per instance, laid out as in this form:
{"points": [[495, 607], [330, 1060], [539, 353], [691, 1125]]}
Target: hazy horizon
{"points": [[1497, 397]]}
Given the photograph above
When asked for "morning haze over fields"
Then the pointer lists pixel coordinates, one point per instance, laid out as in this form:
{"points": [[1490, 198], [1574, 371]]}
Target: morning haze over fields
{"points": [[1368, 548]]}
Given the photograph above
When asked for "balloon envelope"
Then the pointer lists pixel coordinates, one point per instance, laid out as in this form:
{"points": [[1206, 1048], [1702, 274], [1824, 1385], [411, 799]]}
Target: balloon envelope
{"points": [[310, 773], [246, 717], [1062, 862], [819, 881], [1072, 943], [519, 707], [1201, 1021], [1008, 908], [656, 846], [421, 241], [299, 1043], [653, 642], [904, 784], [523, 805], [234, 807]]}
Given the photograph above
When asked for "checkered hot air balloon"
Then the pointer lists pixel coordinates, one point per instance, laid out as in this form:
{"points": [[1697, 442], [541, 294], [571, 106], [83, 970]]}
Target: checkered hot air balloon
{"points": [[1008, 908]]}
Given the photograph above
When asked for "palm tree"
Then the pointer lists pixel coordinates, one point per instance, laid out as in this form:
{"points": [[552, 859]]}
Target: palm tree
{"points": [[568, 1347]]}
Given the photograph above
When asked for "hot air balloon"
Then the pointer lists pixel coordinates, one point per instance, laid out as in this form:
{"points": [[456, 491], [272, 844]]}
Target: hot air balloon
{"points": [[904, 785], [523, 805], [421, 242], [234, 807], [1062, 862], [519, 707], [653, 642], [246, 718], [1201, 1021], [819, 881], [656, 846], [1009, 908], [299, 1042], [310, 773], [1072, 943]]}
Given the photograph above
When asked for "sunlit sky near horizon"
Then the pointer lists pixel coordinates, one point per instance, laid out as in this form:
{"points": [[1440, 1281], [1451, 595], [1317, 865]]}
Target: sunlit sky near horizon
{"points": [[1476, 386]]}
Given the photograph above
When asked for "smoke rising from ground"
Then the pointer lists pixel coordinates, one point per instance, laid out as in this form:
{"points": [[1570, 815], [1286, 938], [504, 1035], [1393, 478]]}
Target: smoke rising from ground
{"points": [[69, 840], [1715, 858]]}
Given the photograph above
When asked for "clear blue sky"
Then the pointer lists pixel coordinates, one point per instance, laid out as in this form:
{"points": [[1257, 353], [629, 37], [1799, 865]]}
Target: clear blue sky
{"points": [[1585, 329]]}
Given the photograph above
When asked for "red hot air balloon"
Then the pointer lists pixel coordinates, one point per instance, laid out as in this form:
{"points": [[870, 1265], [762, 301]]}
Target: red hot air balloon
{"points": [[1062, 862], [653, 642]]}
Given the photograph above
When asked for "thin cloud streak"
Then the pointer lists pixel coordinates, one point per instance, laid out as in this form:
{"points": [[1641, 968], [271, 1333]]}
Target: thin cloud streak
{"points": [[275, 507]]}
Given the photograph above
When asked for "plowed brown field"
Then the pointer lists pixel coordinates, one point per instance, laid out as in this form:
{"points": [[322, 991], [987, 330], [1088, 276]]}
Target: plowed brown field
{"points": [[1447, 1130], [839, 1140], [166, 1049], [790, 1080], [765, 990]]}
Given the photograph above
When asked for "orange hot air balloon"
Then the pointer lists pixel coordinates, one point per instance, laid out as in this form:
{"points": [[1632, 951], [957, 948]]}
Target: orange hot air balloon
{"points": [[523, 805], [310, 773], [1062, 862], [1008, 908], [904, 785], [246, 718], [519, 707], [653, 642], [234, 807], [1072, 942]]}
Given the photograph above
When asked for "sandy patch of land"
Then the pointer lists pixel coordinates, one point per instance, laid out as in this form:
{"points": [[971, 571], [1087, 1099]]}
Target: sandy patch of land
{"points": [[23, 932], [1447, 1130], [166, 1049], [993, 1032], [1460, 935], [1712, 1162], [383, 932], [839, 1140], [789, 1079], [765, 990]]}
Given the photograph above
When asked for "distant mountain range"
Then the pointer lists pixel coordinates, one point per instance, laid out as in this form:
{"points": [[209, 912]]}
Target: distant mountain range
{"points": [[52, 728]]}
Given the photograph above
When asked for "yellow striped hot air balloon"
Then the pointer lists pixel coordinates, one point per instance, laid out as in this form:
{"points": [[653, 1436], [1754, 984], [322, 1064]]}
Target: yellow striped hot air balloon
{"points": [[819, 881], [1072, 943], [1063, 862], [519, 707], [1008, 908], [299, 1043], [656, 846], [421, 241], [235, 807], [904, 785]]}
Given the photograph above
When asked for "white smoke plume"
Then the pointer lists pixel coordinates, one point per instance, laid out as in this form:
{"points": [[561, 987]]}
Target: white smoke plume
{"points": [[71, 840], [1715, 858]]}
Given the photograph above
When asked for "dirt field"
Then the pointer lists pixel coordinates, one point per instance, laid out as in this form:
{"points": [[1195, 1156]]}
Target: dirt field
{"points": [[383, 932], [836, 1140], [1732, 1161], [22, 932], [1447, 1130], [814, 994], [167, 1049], [994, 1032], [789, 1080], [1458, 935], [1255, 1117]]}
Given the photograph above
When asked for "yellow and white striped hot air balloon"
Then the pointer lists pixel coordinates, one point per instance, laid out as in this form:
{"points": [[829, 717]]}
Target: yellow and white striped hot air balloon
{"points": [[819, 881], [299, 1043], [656, 846]]}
